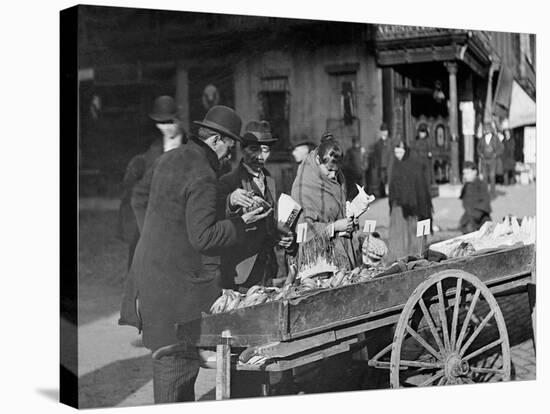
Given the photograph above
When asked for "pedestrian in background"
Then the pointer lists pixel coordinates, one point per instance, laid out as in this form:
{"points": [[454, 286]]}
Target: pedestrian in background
{"points": [[354, 167], [422, 150], [301, 148], [509, 158], [489, 148], [379, 163], [164, 115], [475, 200], [410, 202]]}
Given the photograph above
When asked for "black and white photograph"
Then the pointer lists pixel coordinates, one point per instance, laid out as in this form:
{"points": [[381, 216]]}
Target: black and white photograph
{"points": [[283, 206], [275, 207]]}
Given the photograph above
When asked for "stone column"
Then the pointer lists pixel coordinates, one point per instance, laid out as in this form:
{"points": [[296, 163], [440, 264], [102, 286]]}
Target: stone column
{"points": [[452, 68]]}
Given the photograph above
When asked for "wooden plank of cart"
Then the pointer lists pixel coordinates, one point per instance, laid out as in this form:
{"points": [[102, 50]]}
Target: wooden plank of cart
{"points": [[448, 326]]}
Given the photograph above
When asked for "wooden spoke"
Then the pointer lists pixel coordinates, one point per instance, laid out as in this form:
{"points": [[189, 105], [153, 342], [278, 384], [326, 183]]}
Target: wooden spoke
{"points": [[454, 323], [443, 316], [476, 332], [459, 333], [435, 377], [482, 350], [479, 370], [467, 319], [431, 324], [422, 342], [421, 364]]}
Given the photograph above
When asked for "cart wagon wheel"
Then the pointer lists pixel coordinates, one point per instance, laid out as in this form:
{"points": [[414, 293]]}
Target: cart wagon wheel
{"points": [[451, 331]]}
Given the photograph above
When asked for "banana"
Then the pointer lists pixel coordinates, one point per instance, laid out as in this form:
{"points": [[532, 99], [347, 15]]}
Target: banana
{"points": [[337, 279], [356, 271], [254, 289], [233, 303], [219, 304]]}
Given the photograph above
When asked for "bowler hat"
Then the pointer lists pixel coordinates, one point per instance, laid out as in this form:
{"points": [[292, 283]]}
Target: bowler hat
{"points": [[258, 132], [302, 140], [384, 127], [224, 120], [164, 109]]}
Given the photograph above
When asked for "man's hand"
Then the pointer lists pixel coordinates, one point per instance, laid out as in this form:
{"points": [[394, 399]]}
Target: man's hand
{"points": [[286, 240], [255, 215], [241, 198]]}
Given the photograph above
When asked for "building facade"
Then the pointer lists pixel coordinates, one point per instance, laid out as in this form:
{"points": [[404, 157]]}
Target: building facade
{"points": [[303, 76]]}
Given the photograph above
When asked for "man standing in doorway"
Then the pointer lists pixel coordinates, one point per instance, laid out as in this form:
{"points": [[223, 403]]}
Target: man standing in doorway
{"points": [[176, 263]]}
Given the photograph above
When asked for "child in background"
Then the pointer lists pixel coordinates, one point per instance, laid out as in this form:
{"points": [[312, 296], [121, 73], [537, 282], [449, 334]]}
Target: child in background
{"points": [[475, 200]]}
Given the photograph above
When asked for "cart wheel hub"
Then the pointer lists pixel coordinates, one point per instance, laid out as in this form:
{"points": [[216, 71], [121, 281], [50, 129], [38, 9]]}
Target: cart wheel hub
{"points": [[456, 367]]}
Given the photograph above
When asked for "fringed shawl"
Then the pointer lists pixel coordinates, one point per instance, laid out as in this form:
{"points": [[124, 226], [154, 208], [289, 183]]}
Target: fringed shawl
{"points": [[323, 201]]}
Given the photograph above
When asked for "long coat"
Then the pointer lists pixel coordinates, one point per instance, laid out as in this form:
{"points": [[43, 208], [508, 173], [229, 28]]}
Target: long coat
{"points": [[135, 171], [252, 261], [175, 266], [379, 166]]}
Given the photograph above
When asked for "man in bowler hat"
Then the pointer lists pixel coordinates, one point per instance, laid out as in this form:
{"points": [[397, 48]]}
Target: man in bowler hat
{"points": [[252, 262], [176, 263], [165, 117]]}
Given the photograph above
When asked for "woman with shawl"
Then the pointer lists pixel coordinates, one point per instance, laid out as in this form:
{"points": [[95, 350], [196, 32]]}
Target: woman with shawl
{"points": [[320, 189], [410, 202]]}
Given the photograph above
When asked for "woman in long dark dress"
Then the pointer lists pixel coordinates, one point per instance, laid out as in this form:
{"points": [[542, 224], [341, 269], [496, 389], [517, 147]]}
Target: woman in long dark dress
{"points": [[410, 202]]}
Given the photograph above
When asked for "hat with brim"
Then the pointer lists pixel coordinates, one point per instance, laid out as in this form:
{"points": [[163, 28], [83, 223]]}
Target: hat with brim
{"points": [[302, 140], [164, 109], [258, 133], [223, 120]]}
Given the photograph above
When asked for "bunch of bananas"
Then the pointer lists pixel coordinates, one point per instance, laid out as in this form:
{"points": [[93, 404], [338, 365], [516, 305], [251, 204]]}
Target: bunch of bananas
{"points": [[227, 301], [256, 295]]}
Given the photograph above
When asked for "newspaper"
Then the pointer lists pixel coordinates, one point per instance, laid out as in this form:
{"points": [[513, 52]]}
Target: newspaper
{"points": [[287, 212], [359, 204]]}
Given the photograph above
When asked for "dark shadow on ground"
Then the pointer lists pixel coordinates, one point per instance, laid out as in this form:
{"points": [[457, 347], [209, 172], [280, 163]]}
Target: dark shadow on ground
{"points": [[105, 387]]}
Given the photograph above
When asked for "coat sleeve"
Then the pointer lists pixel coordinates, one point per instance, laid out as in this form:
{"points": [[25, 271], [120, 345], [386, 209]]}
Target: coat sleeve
{"points": [[140, 195], [206, 234]]}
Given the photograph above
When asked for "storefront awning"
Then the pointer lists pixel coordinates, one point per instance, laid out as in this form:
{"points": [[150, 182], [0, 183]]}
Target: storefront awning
{"points": [[523, 110]]}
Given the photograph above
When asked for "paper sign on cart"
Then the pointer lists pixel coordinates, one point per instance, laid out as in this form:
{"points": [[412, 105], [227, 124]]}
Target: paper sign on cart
{"points": [[370, 225], [301, 232], [423, 228]]}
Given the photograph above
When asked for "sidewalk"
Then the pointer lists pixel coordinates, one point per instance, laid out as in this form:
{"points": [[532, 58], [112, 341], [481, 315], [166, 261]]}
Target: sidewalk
{"points": [[517, 200]]}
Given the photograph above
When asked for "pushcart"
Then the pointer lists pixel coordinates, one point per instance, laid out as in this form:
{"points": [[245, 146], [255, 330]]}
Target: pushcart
{"points": [[447, 325]]}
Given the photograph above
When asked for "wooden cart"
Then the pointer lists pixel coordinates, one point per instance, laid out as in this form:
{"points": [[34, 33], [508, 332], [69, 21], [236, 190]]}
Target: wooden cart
{"points": [[448, 327]]}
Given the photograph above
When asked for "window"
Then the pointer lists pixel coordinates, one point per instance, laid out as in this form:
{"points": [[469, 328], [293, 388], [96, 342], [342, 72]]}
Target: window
{"points": [[274, 108]]}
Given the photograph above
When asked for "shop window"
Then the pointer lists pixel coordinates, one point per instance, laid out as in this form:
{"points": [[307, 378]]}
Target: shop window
{"points": [[274, 108]]}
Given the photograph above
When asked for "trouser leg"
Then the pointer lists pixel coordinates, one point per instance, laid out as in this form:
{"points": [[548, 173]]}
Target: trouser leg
{"points": [[174, 378]]}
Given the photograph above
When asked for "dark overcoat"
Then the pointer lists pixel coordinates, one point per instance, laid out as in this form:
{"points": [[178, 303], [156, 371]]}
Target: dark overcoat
{"points": [[135, 171], [254, 256], [379, 165], [176, 268], [477, 205]]}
